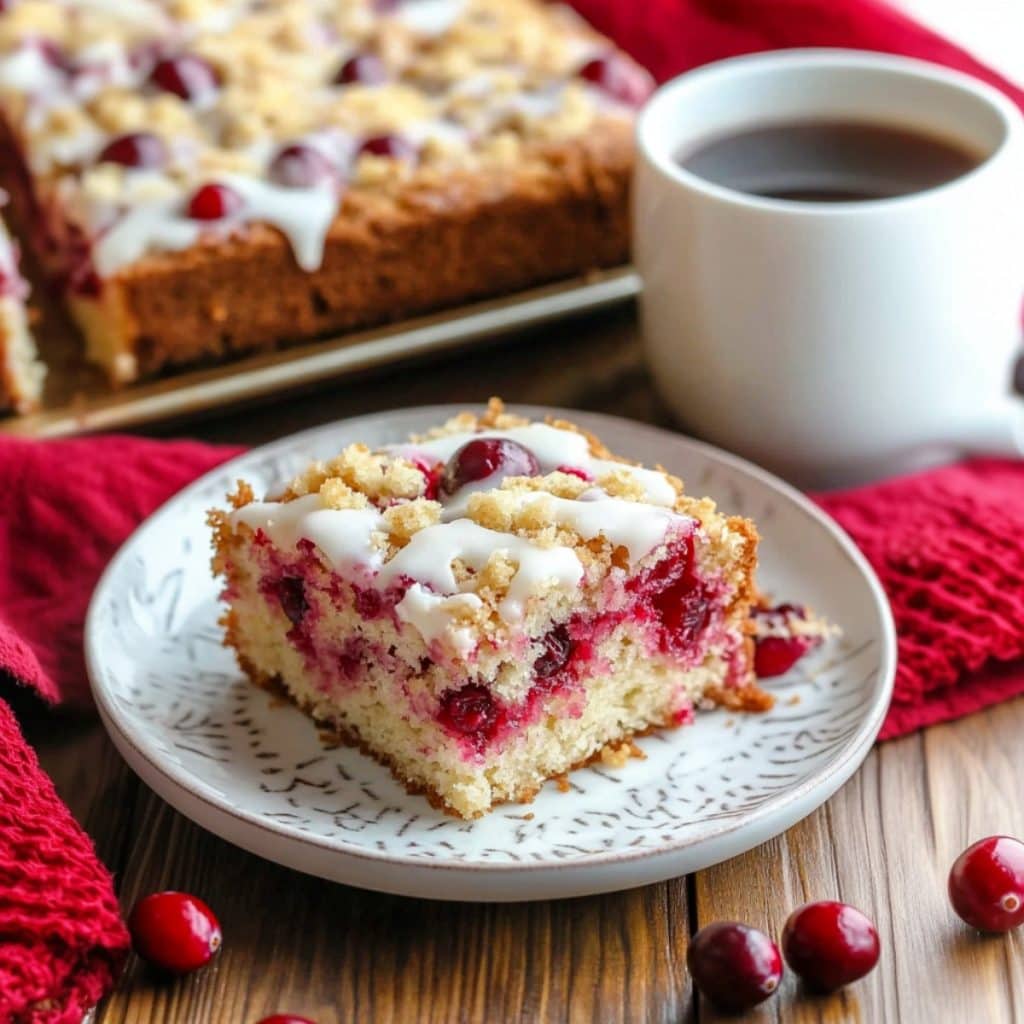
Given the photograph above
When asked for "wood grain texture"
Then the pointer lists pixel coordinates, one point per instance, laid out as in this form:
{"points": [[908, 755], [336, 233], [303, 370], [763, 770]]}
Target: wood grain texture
{"points": [[884, 842]]}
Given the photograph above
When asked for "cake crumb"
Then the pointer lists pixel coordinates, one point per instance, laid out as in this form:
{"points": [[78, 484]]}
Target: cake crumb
{"points": [[562, 782], [794, 700], [616, 755]]}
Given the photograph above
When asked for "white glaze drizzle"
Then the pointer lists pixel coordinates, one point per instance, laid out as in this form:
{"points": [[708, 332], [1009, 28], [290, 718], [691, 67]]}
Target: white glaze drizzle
{"points": [[430, 17], [428, 558], [552, 448], [345, 536], [637, 527], [434, 616]]}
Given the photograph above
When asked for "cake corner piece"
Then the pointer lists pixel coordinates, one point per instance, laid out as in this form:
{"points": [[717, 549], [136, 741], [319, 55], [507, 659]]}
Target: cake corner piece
{"points": [[491, 604]]}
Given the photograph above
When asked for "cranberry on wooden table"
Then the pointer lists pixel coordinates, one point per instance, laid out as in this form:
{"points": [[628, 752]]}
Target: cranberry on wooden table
{"points": [[483, 457], [986, 884], [733, 965], [141, 150], [285, 1018], [829, 945], [174, 931]]}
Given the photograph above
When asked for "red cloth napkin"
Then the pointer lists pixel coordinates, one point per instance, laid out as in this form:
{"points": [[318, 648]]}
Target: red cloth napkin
{"points": [[65, 506]]}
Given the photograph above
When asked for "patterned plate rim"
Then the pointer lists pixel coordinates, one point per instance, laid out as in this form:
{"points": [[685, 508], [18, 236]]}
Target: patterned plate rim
{"points": [[840, 768]]}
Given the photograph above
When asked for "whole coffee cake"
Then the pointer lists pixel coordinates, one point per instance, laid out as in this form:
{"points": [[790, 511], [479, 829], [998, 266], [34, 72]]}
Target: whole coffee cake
{"points": [[211, 177]]}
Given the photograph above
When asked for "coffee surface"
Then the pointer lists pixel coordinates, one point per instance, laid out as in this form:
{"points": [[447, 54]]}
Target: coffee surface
{"points": [[829, 161]]}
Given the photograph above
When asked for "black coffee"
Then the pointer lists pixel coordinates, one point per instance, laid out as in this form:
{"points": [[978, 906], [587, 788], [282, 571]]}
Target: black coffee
{"points": [[829, 161]]}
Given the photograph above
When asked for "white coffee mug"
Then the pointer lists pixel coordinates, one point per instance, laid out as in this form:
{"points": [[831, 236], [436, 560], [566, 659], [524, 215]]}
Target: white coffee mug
{"points": [[834, 342]]}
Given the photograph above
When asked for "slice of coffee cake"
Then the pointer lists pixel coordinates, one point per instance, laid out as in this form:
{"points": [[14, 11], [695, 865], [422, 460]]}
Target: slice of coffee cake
{"points": [[490, 605], [21, 373]]}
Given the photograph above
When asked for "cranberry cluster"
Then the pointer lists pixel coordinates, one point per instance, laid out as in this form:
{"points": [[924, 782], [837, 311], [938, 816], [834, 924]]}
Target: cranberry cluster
{"points": [[830, 944]]}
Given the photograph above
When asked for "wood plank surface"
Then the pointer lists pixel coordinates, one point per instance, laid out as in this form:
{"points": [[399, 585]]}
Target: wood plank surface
{"points": [[335, 954]]}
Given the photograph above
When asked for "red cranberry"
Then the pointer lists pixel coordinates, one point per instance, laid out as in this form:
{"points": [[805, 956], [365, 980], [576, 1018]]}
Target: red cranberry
{"points": [[186, 75], [53, 54], [483, 457], [471, 711], [618, 77], [214, 202], [576, 471], [285, 1018], [174, 931], [362, 69], [986, 884], [391, 147], [775, 655], [431, 474], [300, 166], [734, 965], [558, 647], [141, 149], [291, 592], [829, 944]]}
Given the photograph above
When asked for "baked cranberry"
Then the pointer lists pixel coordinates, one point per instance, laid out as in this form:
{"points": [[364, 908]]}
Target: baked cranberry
{"points": [[186, 75], [471, 711], [431, 474], [362, 69], [300, 166], [619, 78], [174, 931], [829, 944], [140, 149], [54, 54], [291, 593], [386, 6], [986, 884], [576, 471], [775, 655], [214, 202], [390, 147], [558, 647], [734, 965], [285, 1018], [485, 456]]}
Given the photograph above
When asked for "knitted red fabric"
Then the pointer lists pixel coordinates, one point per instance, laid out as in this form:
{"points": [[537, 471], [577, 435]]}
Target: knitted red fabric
{"points": [[65, 508], [949, 548], [62, 941]]}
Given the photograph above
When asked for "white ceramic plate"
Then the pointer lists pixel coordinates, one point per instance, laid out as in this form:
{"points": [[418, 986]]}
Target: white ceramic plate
{"points": [[256, 773]]}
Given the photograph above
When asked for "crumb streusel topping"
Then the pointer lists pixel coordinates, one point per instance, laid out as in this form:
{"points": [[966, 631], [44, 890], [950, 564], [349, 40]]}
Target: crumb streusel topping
{"points": [[127, 109]]}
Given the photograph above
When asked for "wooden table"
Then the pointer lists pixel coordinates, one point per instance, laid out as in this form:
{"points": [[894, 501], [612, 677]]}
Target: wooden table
{"points": [[883, 843]]}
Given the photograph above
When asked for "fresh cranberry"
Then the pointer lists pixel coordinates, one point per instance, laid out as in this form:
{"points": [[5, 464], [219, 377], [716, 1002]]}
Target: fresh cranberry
{"points": [[390, 147], [775, 655], [362, 69], [471, 711], [829, 944], [300, 166], [141, 149], [576, 471], [619, 78], [291, 592], [174, 931], [558, 647], [186, 75], [483, 457], [734, 965], [285, 1018], [214, 202], [986, 884]]}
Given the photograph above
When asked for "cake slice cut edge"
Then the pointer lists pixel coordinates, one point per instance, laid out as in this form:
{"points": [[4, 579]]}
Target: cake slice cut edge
{"points": [[490, 605]]}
